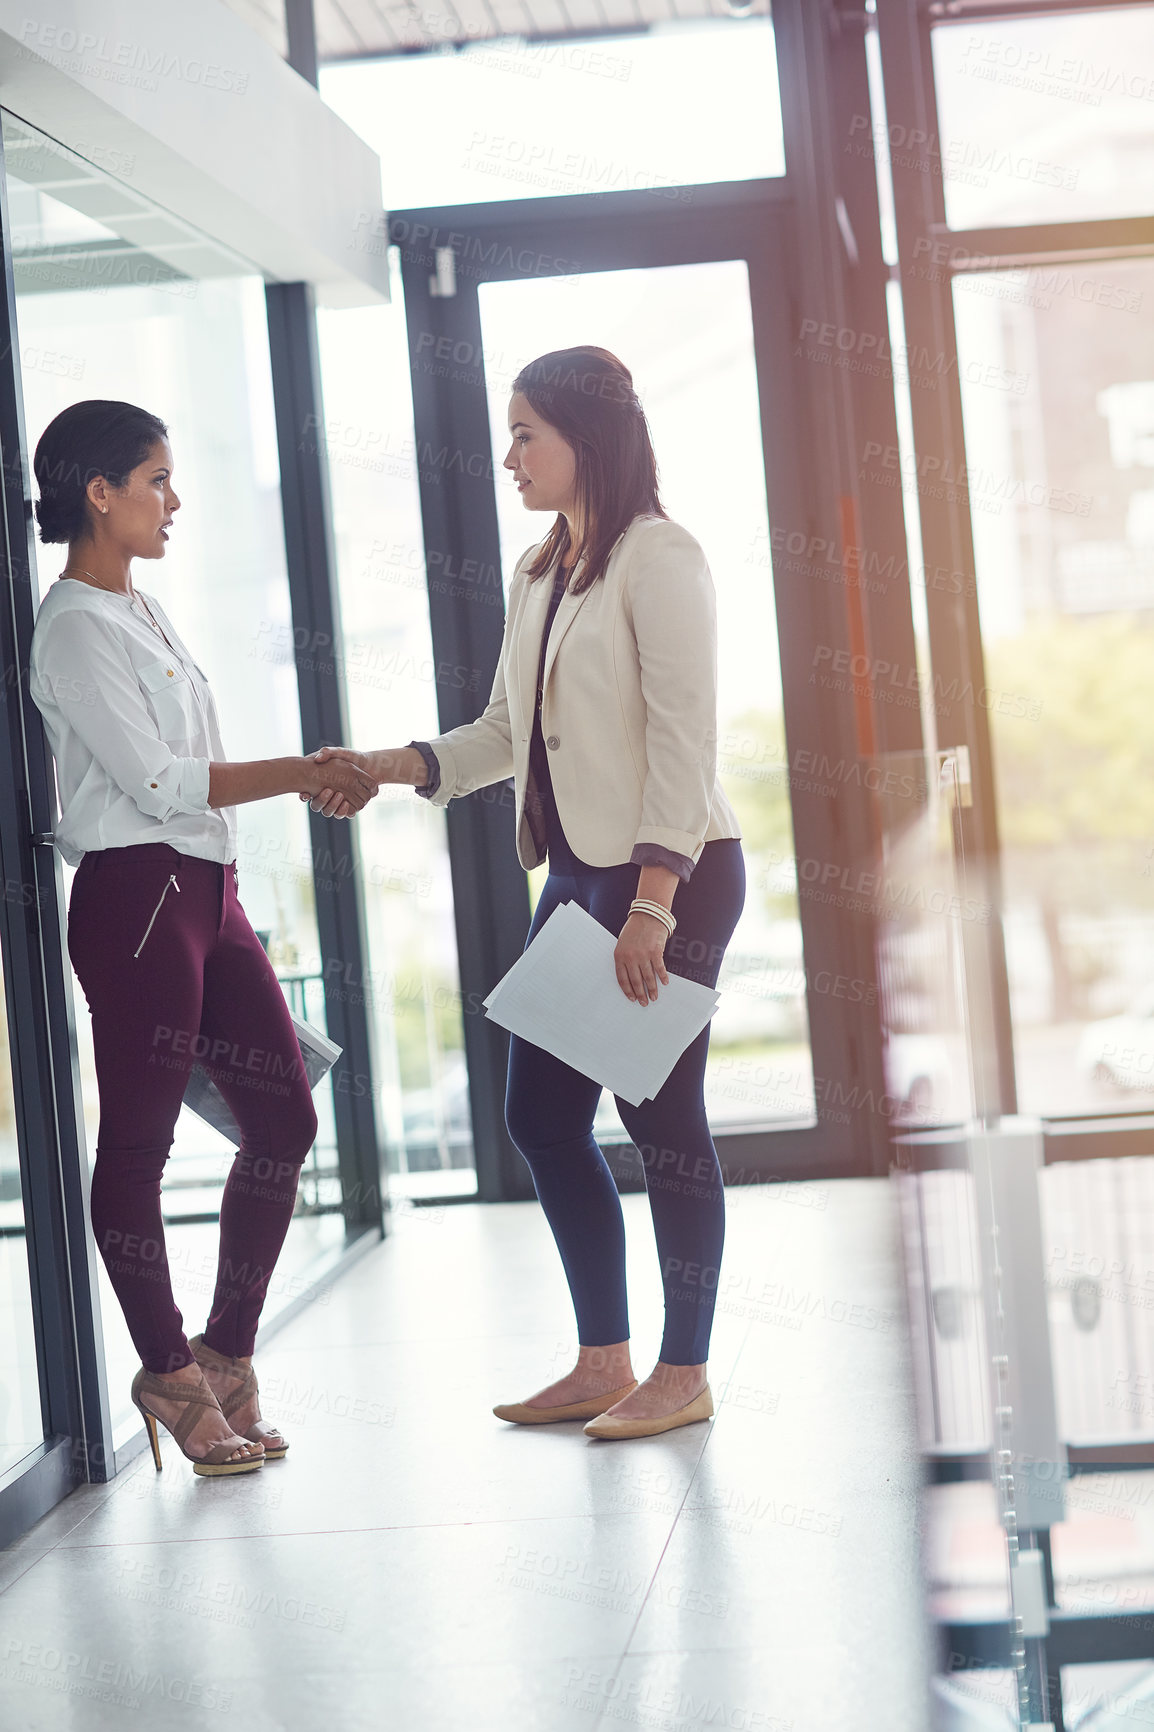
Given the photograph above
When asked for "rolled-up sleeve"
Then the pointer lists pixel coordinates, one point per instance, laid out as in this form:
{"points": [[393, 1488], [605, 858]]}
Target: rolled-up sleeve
{"points": [[84, 671], [433, 767], [650, 854]]}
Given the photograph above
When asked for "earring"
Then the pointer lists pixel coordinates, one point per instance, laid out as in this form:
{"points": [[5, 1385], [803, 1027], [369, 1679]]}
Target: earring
{"points": [[104, 508]]}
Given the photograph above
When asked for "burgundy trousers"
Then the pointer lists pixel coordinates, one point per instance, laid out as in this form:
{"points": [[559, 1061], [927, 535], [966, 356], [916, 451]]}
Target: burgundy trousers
{"points": [[174, 974]]}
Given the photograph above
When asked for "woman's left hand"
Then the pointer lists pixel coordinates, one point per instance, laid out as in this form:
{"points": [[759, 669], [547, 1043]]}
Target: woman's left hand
{"points": [[638, 957]]}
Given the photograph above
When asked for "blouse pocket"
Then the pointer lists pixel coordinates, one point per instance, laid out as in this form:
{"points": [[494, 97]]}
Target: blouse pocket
{"points": [[172, 698]]}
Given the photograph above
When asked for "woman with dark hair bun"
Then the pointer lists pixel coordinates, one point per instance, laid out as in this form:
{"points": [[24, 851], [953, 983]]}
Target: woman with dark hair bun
{"points": [[604, 711], [169, 963]]}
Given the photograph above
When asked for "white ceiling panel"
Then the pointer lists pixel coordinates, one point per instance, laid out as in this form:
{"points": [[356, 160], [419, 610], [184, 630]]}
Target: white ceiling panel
{"points": [[478, 19], [351, 28], [619, 14], [549, 17], [586, 15], [348, 27], [513, 17]]}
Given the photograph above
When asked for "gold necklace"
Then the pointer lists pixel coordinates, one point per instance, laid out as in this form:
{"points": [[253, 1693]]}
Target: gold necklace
{"points": [[105, 586], [131, 594]]}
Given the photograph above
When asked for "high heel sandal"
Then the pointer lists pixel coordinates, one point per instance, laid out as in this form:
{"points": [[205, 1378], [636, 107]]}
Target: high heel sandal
{"points": [[262, 1430], [194, 1397]]}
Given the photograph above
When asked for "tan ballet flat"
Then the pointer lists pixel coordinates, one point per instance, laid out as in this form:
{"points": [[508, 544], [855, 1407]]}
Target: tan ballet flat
{"points": [[701, 1407], [261, 1431], [517, 1413]]}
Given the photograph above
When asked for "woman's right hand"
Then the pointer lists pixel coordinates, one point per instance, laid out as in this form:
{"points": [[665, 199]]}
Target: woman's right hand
{"points": [[402, 764], [345, 782]]}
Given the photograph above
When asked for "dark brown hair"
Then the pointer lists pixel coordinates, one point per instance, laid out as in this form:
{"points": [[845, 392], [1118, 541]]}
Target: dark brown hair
{"points": [[96, 437], [587, 395]]}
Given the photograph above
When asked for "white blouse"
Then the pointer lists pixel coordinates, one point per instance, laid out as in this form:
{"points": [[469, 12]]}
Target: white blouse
{"points": [[132, 725]]}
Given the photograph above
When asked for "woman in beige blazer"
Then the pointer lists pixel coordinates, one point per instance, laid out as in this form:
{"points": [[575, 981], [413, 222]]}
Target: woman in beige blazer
{"points": [[604, 712]]}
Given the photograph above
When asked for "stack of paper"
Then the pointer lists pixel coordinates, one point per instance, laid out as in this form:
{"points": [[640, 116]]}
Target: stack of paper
{"points": [[562, 994], [202, 1096]]}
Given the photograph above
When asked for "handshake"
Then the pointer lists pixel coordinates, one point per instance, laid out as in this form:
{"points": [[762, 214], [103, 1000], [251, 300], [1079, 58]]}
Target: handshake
{"points": [[339, 781]]}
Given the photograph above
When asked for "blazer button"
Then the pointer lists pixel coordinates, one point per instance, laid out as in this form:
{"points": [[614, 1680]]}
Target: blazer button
{"points": [[552, 742]]}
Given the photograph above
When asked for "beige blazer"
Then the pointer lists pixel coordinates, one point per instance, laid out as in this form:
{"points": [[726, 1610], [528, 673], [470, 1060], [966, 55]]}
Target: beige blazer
{"points": [[629, 711]]}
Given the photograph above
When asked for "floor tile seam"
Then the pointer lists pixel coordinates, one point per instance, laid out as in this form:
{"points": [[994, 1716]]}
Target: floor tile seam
{"points": [[674, 1519], [320, 1533], [605, 1717], [26, 1571], [733, 1371], [752, 1649], [389, 1667], [57, 1513]]}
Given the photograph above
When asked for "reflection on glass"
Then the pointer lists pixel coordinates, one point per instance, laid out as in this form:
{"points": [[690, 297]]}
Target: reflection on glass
{"points": [[116, 298], [759, 1069], [1043, 119], [1058, 400], [927, 1017], [544, 119], [413, 987], [976, 1272], [21, 1424], [1099, 1219]]}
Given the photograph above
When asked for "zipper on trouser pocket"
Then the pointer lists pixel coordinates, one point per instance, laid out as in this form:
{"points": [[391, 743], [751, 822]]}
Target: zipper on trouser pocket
{"points": [[155, 912]]}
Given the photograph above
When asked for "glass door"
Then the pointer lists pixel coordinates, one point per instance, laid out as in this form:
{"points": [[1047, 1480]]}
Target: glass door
{"points": [[702, 308], [702, 407]]}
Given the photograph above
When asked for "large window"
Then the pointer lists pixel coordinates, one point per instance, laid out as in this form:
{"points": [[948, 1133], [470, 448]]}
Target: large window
{"points": [[115, 298], [1043, 119], [675, 108], [1057, 371], [1040, 120]]}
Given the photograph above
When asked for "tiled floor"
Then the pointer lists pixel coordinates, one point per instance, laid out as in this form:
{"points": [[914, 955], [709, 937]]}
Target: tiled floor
{"points": [[414, 1563]]}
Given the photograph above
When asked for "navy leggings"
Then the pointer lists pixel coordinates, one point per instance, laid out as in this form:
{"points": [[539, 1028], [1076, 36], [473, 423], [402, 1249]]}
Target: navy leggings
{"points": [[174, 973], [549, 1110]]}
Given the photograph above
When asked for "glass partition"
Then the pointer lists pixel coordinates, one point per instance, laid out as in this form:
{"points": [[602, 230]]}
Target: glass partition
{"points": [[412, 987], [21, 1423], [116, 298]]}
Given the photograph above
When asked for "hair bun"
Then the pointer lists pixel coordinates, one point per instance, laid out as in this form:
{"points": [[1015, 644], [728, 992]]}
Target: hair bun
{"points": [[98, 437]]}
